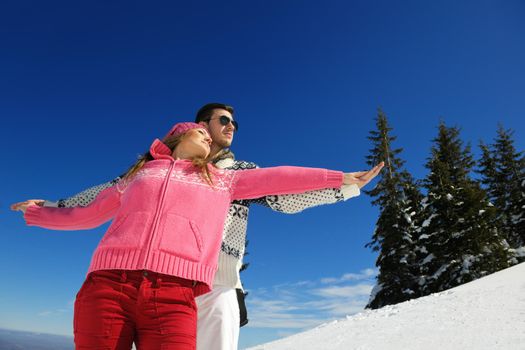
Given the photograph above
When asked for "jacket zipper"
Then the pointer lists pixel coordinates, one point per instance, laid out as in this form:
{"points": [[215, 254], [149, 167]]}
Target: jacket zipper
{"points": [[158, 212]]}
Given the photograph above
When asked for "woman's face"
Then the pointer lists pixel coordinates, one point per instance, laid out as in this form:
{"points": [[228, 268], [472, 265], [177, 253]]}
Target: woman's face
{"points": [[195, 143]]}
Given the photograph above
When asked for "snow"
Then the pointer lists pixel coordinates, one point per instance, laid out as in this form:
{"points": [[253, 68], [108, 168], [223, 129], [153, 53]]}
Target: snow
{"points": [[520, 252], [488, 313], [421, 249], [427, 221], [428, 259], [468, 260], [442, 269], [377, 288]]}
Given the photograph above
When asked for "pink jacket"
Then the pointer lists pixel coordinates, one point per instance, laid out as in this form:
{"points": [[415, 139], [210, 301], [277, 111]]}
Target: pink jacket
{"points": [[167, 219]]}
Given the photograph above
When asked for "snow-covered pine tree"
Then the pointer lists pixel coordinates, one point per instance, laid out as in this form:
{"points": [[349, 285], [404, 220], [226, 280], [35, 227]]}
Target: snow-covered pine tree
{"points": [[463, 241], [521, 222], [503, 174], [398, 198]]}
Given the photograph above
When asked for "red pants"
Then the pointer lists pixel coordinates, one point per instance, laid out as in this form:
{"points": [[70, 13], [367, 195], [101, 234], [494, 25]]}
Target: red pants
{"points": [[115, 308]]}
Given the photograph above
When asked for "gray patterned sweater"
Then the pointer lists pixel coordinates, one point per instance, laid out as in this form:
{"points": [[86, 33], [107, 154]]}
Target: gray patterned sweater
{"points": [[234, 233]]}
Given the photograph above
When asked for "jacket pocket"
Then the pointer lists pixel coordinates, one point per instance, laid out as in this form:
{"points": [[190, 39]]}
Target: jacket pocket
{"points": [[127, 231], [180, 236]]}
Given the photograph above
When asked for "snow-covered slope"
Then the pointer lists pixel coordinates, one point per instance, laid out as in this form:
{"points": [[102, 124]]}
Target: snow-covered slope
{"points": [[485, 314]]}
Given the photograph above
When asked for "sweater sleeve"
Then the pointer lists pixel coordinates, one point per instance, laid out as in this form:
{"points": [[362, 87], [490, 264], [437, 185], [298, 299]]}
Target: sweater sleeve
{"points": [[102, 209], [82, 198], [296, 203], [256, 183]]}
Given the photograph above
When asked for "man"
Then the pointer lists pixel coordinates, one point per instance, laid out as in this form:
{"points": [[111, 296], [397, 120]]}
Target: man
{"points": [[222, 311]]}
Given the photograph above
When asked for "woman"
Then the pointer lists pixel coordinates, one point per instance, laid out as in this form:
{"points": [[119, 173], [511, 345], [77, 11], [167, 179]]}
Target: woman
{"points": [[162, 246]]}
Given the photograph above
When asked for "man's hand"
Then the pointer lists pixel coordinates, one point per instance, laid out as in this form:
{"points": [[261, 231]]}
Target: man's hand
{"points": [[22, 206], [361, 178]]}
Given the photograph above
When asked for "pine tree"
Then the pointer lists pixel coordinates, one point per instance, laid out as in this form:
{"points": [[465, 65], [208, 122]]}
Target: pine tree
{"points": [[463, 241], [245, 265], [398, 198], [503, 173], [520, 252]]}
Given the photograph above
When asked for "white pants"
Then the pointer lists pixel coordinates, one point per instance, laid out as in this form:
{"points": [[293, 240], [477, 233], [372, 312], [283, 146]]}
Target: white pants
{"points": [[218, 319]]}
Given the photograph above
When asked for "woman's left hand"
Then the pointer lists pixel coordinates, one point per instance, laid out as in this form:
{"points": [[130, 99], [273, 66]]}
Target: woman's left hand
{"points": [[361, 178], [22, 206]]}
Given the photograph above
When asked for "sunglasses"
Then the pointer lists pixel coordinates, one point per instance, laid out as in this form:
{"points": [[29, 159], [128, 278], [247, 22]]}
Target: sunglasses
{"points": [[224, 120]]}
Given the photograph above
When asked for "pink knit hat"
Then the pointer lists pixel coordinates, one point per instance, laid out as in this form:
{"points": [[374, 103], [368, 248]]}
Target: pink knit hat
{"points": [[181, 128]]}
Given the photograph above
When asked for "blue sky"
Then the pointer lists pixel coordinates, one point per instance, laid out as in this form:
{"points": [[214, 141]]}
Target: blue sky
{"points": [[86, 86]]}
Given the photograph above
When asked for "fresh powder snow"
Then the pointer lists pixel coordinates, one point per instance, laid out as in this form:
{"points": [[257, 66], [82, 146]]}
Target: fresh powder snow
{"points": [[486, 314]]}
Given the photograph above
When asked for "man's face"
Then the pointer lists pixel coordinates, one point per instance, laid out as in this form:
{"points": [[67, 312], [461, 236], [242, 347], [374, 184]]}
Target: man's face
{"points": [[222, 135]]}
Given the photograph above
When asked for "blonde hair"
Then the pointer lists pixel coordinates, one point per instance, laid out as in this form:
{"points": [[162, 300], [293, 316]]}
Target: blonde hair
{"points": [[172, 142]]}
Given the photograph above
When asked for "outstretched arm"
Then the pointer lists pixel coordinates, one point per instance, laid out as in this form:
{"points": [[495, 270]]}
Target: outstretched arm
{"points": [[83, 198], [296, 203], [102, 209], [254, 183]]}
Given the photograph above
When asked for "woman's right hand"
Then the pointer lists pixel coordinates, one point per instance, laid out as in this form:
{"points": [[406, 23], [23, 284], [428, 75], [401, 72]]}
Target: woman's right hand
{"points": [[361, 178], [22, 206]]}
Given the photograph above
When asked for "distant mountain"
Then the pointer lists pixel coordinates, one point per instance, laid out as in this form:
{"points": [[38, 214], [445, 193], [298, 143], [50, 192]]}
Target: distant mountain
{"points": [[19, 340], [486, 314]]}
